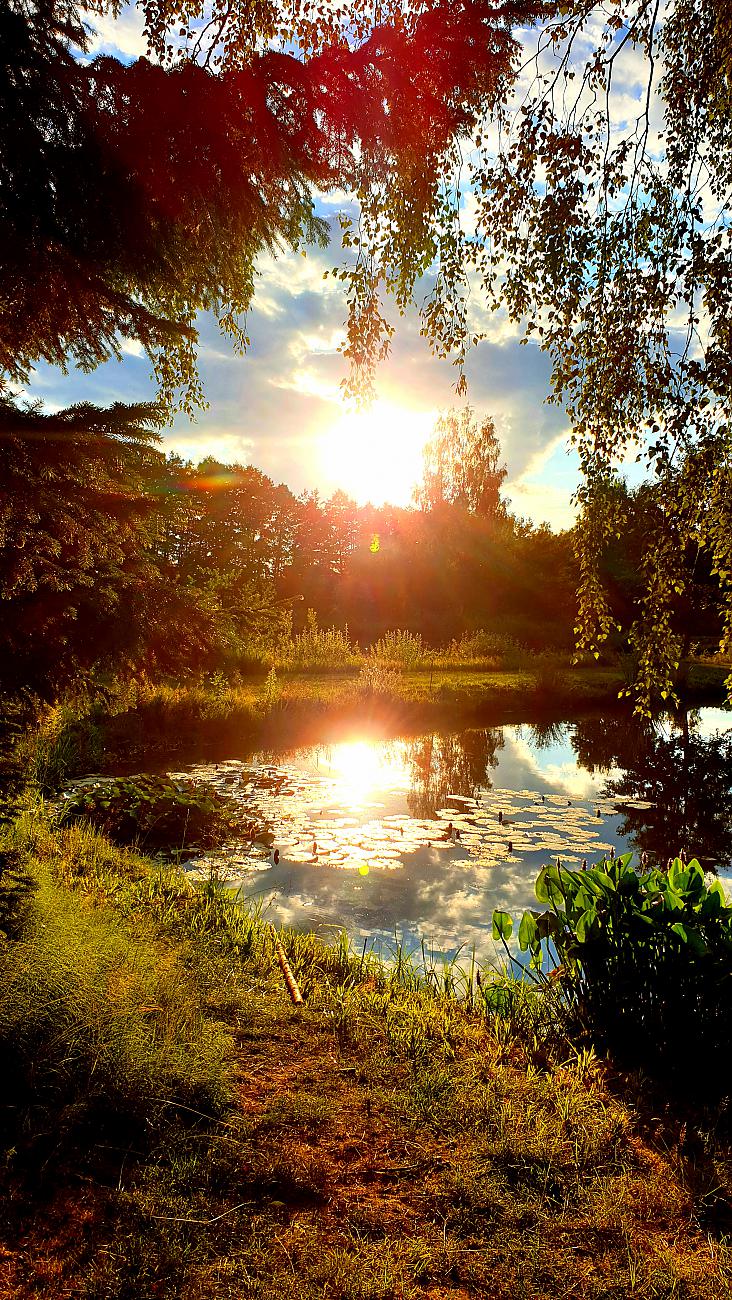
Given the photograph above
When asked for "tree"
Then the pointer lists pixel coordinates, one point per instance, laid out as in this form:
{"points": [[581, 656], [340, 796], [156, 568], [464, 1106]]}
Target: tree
{"points": [[72, 492], [133, 197], [609, 242], [84, 578], [461, 466]]}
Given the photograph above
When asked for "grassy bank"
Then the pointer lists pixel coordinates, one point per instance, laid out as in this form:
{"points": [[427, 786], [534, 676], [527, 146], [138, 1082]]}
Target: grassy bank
{"points": [[173, 1127], [120, 725], [144, 721]]}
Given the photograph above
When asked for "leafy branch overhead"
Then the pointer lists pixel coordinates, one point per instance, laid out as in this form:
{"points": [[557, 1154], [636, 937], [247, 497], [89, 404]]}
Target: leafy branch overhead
{"points": [[134, 197]]}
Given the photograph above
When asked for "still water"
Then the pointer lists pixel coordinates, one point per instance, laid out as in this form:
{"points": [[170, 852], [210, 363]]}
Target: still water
{"points": [[418, 840]]}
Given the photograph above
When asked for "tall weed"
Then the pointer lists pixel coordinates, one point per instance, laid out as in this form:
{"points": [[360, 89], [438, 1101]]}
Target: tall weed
{"points": [[400, 649], [318, 648]]}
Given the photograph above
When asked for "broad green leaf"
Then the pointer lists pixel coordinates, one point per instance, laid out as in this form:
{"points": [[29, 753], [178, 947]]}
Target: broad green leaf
{"points": [[584, 924], [540, 888], [496, 997], [604, 879], [673, 901], [527, 932], [502, 925]]}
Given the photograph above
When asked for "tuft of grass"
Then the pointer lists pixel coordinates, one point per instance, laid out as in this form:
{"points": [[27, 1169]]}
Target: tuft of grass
{"points": [[97, 1019]]}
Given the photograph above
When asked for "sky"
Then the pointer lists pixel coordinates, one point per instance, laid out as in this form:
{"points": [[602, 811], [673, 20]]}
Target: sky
{"points": [[280, 407]]}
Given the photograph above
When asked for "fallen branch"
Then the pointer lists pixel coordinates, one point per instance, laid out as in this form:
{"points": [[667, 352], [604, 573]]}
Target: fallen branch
{"points": [[290, 981]]}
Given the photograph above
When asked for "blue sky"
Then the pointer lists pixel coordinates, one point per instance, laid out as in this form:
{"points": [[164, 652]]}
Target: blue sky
{"points": [[280, 406]]}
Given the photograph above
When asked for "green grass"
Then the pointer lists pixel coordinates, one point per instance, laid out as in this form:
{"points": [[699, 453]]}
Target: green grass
{"points": [[99, 1021], [385, 1140]]}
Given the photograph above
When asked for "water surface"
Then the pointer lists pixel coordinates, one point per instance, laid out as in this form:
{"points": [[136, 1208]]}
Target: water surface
{"points": [[419, 840]]}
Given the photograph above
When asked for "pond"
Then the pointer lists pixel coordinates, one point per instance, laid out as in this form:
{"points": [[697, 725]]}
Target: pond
{"points": [[413, 841]]}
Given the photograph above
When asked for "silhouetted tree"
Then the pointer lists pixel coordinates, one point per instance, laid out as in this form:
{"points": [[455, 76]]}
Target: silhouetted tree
{"points": [[462, 466]]}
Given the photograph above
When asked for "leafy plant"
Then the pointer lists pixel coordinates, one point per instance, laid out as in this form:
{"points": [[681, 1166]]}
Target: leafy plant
{"points": [[645, 960], [157, 812], [272, 689], [318, 648], [401, 649]]}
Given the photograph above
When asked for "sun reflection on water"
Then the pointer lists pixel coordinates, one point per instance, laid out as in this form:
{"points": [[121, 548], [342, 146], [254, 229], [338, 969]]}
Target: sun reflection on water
{"points": [[362, 769]]}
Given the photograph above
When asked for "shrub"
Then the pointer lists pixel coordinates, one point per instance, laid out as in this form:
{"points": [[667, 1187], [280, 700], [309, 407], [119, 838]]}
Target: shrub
{"points": [[272, 689], [400, 649], [318, 648], [491, 649], [65, 738], [156, 812], [645, 961]]}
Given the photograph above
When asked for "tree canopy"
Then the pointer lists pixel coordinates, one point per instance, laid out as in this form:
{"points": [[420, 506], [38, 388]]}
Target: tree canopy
{"points": [[462, 466], [133, 197]]}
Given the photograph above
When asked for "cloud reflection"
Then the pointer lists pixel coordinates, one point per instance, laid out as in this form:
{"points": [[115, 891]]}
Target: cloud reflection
{"points": [[450, 827]]}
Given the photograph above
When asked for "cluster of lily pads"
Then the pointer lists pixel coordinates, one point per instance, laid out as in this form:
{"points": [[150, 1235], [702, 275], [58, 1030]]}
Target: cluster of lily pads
{"points": [[160, 813], [310, 823]]}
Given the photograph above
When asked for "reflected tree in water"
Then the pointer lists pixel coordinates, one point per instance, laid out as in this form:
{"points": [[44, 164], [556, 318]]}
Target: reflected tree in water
{"points": [[542, 735], [450, 764], [685, 777]]}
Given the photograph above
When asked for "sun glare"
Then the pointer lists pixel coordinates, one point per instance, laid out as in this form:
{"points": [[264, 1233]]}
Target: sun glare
{"points": [[376, 455], [361, 768]]}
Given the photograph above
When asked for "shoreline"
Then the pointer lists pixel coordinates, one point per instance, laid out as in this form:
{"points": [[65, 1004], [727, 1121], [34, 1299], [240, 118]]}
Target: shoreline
{"points": [[310, 709]]}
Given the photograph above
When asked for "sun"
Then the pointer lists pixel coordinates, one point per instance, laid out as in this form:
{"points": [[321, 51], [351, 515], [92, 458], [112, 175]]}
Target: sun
{"points": [[375, 455]]}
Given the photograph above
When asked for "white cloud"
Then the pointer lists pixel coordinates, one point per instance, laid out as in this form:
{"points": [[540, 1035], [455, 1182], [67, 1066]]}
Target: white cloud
{"points": [[132, 348], [122, 37]]}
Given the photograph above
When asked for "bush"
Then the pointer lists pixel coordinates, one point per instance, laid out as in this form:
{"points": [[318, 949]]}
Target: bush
{"points": [[156, 812], [491, 649], [400, 649], [65, 738], [645, 961], [318, 648]]}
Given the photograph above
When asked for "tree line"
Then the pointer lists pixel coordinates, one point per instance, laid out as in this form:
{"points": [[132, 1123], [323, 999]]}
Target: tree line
{"points": [[115, 555]]}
